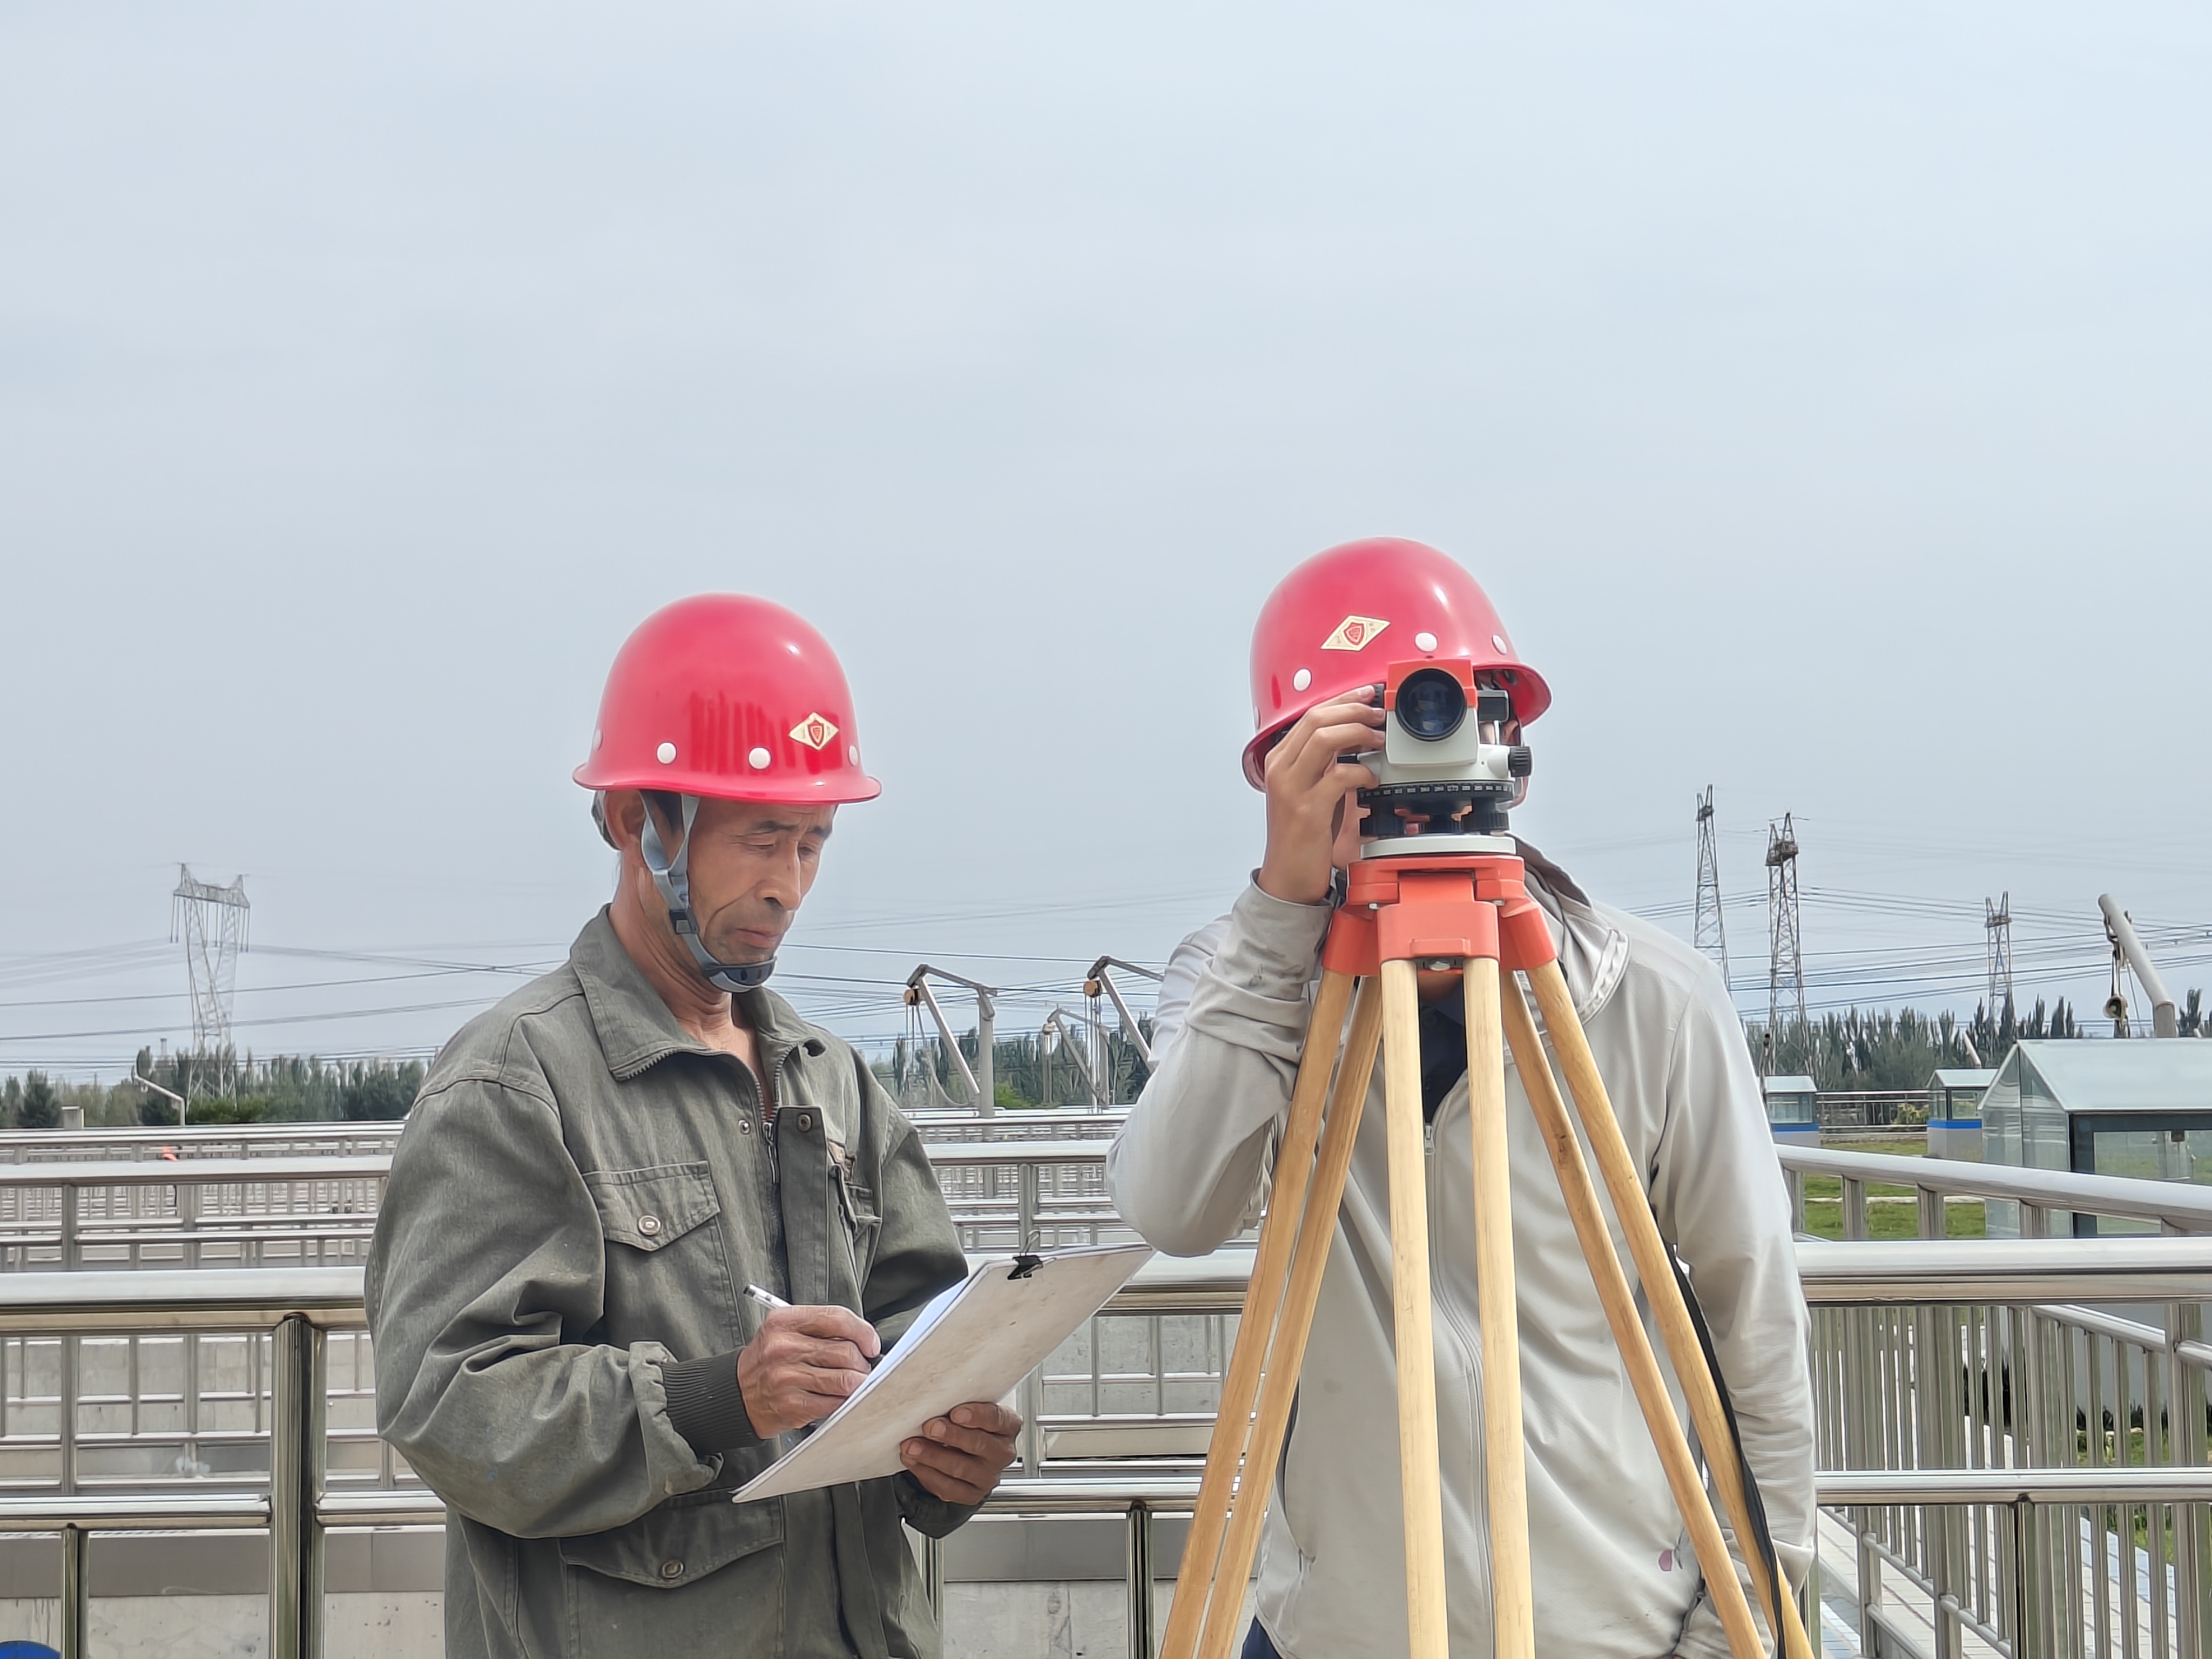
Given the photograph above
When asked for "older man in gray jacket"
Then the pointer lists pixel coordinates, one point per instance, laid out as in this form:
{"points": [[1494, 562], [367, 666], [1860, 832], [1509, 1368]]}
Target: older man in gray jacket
{"points": [[1614, 1575], [598, 1168]]}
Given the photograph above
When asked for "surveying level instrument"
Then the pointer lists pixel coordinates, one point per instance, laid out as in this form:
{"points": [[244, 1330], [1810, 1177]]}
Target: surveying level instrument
{"points": [[1442, 889]]}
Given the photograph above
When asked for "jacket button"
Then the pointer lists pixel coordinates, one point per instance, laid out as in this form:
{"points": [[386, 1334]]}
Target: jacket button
{"points": [[671, 1569], [650, 1226], [806, 1122], [744, 1126]]}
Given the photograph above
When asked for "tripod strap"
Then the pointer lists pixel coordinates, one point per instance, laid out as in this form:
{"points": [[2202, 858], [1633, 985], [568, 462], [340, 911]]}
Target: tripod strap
{"points": [[1762, 1539]]}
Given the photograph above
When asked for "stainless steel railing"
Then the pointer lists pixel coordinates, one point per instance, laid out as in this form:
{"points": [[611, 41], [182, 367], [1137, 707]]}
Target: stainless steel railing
{"points": [[1976, 1508], [2081, 1362], [229, 1212], [2077, 1373], [2028, 1199], [300, 1211]]}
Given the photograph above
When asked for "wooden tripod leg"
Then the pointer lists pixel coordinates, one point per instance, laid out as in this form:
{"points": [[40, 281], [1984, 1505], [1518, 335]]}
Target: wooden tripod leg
{"points": [[1649, 1252], [1418, 1467], [1271, 1265], [1513, 1613], [1347, 1100]]}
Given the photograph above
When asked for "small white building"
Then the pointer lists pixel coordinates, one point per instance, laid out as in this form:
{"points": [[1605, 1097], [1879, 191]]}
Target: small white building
{"points": [[1954, 1112], [1793, 1110]]}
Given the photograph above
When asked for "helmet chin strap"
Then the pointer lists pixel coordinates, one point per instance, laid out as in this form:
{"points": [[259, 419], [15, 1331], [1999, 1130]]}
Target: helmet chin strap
{"points": [[673, 877]]}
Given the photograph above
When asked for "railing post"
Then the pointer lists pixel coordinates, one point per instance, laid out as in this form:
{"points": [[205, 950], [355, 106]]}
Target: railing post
{"points": [[1932, 1222], [2192, 1548], [66, 1429], [1870, 1565], [188, 1213], [1139, 1569], [72, 1256], [1030, 1441], [75, 1602], [296, 1457], [1855, 1207], [2032, 1611]]}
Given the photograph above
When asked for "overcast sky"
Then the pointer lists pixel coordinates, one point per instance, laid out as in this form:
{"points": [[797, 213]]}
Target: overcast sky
{"points": [[1823, 392]]}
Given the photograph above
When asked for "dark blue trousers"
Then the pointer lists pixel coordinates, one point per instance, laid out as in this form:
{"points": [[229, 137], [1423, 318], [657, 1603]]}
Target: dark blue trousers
{"points": [[1256, 1644]]}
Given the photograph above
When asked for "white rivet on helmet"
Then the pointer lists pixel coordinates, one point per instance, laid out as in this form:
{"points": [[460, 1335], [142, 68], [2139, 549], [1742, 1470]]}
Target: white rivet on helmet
{"points": [[759, 759], [1302, 679], [853, 753], [665, 754], [1424, 640], [598, 738], [1498, 640]]}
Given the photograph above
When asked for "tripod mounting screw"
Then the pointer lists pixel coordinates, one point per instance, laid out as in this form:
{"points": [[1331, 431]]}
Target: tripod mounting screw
{"points": [[1438, 965]]}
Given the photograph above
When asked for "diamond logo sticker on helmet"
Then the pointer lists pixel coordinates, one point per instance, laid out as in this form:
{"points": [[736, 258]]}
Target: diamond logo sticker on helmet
{"points": [[1354, 632], [814, 732]]}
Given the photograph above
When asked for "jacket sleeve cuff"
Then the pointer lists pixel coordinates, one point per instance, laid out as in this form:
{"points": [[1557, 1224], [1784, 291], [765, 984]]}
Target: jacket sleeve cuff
{"points": [[706, 1406], [926, 1513]]}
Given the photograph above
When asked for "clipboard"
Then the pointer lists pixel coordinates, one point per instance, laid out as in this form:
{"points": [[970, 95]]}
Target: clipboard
{"points": [[976, 1340]]}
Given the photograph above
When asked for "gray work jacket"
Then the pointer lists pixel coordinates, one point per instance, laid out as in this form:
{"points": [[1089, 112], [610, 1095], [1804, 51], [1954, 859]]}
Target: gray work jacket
{"points": [[556, 1295]]}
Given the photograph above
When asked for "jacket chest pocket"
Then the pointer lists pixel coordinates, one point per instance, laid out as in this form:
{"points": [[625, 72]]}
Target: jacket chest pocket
{"points": [[668, 1276]]}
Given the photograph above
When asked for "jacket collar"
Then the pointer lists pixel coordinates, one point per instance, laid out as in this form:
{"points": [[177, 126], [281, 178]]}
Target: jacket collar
{"points": [[1593, 952], [637, 1029]]}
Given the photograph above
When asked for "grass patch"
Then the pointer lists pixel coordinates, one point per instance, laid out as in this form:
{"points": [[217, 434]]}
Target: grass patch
{"points": [[1824, 1218], [1831, 1187]]}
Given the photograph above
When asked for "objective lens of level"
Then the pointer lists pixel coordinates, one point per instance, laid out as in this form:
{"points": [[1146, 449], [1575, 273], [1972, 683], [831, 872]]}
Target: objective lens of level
{"points": [[1430, 705]]}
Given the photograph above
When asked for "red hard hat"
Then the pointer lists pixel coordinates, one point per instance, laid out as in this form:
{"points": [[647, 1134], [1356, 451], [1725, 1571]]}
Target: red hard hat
{"points": [[732, 697], [1340, 619]]}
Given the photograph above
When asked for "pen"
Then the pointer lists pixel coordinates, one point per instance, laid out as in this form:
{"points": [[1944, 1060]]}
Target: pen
{"points": [[771, 1301]]}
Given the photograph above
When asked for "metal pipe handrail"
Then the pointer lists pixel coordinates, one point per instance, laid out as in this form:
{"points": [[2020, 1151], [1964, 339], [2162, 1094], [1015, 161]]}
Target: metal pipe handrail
{"points": [[156, 1136], [2122, 1483], [133, 1511], [2048, 1189], [978, 1154], [196, 1172], [135, 1302], [1063, 1495], [965, 1125], [1856, 1273], [1924, 1273]]}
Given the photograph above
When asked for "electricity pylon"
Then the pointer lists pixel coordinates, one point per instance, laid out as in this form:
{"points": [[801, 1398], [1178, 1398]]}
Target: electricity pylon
{"points": [[211, 922], [1708, 936], [1997, 920], [1785, 965]]}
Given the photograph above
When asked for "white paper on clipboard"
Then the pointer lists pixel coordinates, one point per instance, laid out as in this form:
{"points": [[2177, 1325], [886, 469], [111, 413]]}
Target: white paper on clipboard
{"points": [[975, 1341]]}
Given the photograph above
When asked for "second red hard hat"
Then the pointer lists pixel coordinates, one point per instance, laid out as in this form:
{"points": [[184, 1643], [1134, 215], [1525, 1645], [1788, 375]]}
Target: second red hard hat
{"points": [[1341, 618]]}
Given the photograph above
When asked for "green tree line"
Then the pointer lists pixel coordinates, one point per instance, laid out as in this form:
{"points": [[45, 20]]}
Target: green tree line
{"points": [[1885, 1050], [221, 1088]]}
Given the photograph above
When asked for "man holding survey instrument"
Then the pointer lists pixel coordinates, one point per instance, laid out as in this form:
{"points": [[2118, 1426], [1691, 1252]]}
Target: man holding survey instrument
{"points": [[598, 1171], [1609, 1556]]}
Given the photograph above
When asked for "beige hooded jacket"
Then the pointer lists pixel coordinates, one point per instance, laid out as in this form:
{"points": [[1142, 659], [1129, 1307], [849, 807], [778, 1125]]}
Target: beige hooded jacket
{"points": [[1615, 1576]]}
